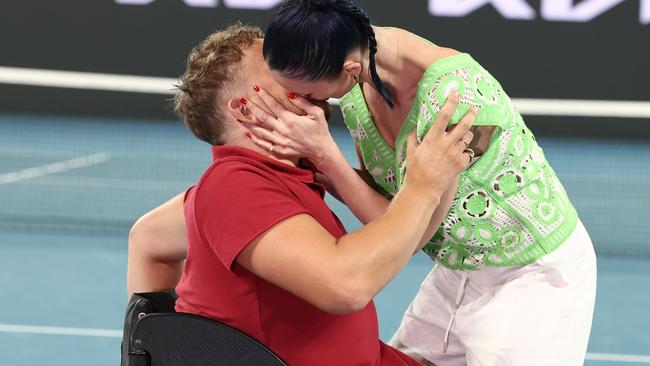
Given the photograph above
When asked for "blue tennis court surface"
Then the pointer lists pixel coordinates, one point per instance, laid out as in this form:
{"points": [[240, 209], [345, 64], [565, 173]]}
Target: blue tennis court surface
{"points": [[71, 187]]}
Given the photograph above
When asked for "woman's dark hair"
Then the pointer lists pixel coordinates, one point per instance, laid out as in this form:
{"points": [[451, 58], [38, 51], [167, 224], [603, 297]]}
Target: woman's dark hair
{"points": [[311, 39]]}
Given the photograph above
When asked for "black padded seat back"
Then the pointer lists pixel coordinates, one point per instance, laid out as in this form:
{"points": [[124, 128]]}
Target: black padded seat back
{"points": [[175, 339], [141, 304]]}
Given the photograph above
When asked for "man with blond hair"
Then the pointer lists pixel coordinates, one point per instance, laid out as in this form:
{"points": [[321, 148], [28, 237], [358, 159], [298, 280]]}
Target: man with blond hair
{"points": [[264, 253]]}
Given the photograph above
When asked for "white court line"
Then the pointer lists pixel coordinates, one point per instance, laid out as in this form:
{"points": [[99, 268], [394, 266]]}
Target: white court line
{"points": [[87, 80], [576, 107], [85, 332], [165, 86], [583, 108], [53, 168], [110, 333], [617, 358]]}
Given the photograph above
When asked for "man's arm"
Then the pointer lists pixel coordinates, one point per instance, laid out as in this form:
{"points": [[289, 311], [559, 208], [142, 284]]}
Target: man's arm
{"points": [[157, 248], [378, 205], [340, 276]]}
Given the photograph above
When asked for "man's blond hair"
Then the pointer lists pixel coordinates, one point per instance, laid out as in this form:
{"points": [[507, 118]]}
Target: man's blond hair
{"points": [[211, 69]]}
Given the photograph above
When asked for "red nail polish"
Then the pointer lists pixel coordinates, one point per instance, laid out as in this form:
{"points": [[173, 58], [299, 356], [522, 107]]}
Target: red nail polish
{"points": [[291, 96], [243, 101], [256, 88], [249, 135]]}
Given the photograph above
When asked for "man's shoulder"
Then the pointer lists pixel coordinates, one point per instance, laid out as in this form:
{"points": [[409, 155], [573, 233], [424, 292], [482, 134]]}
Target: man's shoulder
{"points": [[236, 172]]}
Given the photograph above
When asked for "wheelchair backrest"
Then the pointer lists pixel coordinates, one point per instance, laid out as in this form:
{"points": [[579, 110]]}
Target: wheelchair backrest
{"points": [[154, 335]]}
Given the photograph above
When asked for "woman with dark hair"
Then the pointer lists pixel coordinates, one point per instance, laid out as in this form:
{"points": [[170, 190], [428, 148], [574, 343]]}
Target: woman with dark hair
{"points": [[515, 284]]}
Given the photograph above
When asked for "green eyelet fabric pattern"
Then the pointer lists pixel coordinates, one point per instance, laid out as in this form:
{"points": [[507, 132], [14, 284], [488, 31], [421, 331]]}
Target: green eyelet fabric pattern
{"points": [[378, 157], [510, 207]]}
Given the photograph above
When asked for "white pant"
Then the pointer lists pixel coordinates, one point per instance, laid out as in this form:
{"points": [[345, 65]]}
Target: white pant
{"points": [[539, 314]]}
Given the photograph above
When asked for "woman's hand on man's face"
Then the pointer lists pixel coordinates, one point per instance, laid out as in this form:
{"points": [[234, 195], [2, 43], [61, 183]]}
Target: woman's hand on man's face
{"points": [[293, 135]]}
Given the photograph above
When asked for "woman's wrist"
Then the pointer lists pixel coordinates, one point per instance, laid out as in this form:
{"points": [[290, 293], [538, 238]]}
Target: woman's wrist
{"points": [[329, 158]]}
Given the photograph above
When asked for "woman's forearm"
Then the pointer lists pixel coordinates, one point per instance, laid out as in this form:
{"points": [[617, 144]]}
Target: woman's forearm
{"points": [[366, 203]]}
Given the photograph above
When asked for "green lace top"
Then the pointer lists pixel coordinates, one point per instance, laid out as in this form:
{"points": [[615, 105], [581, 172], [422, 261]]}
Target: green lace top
{"points": [[510, 207]]}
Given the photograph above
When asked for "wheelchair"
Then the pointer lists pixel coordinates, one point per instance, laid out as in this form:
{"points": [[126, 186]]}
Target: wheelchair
{"points": [[155, 335]]}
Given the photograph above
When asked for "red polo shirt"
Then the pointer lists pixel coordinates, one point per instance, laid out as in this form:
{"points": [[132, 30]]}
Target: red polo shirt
{"points": [[240, 196]]}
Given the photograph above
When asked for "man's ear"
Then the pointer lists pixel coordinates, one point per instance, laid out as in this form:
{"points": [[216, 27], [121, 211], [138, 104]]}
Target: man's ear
{"points": [[239, 111]]}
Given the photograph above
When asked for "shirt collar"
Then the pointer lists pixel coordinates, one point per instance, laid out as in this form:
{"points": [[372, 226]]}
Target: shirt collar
{"points": [[305, 173]]}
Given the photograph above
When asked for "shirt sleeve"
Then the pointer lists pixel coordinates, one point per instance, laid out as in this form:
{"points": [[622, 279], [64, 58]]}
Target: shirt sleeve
{"points": [[187, 193], [236, 203]]}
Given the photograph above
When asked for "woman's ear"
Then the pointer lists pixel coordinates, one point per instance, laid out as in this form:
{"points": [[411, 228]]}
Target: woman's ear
{"points": [[352, 68], [239, 111]]}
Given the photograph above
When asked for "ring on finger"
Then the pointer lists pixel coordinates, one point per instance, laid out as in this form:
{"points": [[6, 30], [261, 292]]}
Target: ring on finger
{"points": [[272, 148], [466, 143], [469, 152]]}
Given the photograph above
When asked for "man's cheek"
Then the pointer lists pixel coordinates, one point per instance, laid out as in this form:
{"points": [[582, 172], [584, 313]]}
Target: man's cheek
{"points": [[324, 105]]}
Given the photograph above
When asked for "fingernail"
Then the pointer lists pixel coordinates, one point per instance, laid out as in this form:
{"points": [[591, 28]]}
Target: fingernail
{"points": [[243, 101], [291, 96], [249, 135], [455, 95], [256, 88]]}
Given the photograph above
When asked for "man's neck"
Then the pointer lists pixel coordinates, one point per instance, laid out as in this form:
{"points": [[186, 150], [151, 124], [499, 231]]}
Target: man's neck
{"points": [[248, 144]]}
